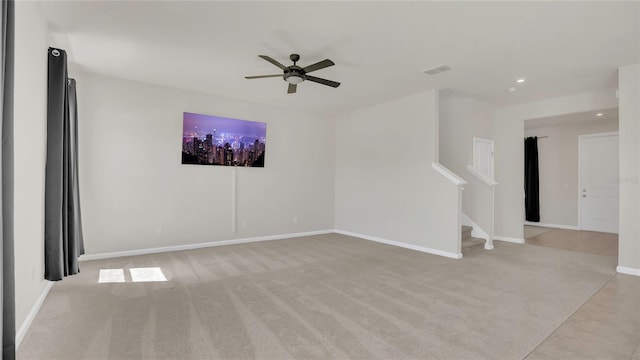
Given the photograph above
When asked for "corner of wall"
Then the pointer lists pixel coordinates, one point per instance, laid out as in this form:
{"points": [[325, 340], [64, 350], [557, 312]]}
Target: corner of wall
{"points": [[629, 123], [32, 38]]}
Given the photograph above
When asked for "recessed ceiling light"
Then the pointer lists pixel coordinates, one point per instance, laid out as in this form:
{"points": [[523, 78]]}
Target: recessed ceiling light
{"points": [[511, 89], [599, 114], [521, 80]]}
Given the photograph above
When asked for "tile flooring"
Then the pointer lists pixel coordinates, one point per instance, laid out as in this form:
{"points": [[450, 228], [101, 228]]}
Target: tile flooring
{"points": [[605, 327], [583, 241], [531, 231]]}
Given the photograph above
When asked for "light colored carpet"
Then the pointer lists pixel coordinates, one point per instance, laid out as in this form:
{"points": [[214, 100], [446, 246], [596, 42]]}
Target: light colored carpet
{"points": [[321, 297]]}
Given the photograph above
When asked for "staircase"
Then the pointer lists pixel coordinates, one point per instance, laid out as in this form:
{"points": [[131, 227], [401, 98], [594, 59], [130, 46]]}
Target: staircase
{"points": [[469, 241]]}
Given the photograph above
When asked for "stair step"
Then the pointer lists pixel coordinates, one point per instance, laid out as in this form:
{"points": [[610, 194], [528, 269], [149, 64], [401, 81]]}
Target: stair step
{"points": [[466, 232], [472, 241], [468, 240]]}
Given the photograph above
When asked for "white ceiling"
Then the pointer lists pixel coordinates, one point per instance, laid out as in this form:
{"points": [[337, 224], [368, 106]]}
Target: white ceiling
{"points": [[380, 48], [574, 118]]}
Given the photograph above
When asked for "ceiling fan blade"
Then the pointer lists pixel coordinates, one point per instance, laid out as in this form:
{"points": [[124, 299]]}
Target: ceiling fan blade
{"points": [[262, 76], [319, 65], [274, 62], [322, 81], [292, 89]]}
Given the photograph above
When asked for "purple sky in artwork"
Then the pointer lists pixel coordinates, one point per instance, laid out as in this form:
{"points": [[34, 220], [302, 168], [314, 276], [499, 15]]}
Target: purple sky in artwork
{"points": [[200, 125]]}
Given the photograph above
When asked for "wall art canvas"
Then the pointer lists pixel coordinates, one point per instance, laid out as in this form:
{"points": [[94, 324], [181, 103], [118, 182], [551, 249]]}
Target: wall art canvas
{"points": [[216, 140]]}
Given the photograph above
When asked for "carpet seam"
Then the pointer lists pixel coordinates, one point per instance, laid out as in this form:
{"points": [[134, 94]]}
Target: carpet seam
{"points": [[634, 350], [570, 316]]}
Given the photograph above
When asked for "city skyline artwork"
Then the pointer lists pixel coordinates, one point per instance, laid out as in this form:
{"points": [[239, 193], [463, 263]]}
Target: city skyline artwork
{"points": [[216, 140]]}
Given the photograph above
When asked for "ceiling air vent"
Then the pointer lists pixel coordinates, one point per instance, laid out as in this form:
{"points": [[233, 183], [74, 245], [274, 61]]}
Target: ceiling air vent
{"points": [[437, 70]]}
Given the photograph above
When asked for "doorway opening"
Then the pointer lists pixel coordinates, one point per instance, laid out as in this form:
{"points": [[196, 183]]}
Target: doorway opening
{"points": [[577, 186]]}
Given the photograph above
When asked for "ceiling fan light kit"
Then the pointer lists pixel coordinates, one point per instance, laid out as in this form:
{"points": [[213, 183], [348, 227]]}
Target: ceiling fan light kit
{"points": [[293, 77], [295, 74]]}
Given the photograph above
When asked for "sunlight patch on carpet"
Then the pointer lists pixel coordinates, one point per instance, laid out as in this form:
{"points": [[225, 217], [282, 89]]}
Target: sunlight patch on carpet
{"points": [[147, 274], [111, 276]]}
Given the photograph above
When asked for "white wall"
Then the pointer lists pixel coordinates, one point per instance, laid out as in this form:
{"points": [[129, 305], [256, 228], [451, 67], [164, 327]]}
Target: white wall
{"points": [[558, 163], [629, 238], [30, 119], [509, 171], [509, 150], [461, 119], [135, 194], [385, 185]]}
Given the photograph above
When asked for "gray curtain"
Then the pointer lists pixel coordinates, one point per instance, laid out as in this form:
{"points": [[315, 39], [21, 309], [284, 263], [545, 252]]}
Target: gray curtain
{"points": [[8, 319], [63, 225]]}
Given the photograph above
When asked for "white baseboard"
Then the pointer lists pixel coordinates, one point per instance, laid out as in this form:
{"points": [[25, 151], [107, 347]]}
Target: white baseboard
{"points": [[509, 239], [401, 244], [477, 231], [555, 226], [197, 246], [628, 270], [26, 324]]}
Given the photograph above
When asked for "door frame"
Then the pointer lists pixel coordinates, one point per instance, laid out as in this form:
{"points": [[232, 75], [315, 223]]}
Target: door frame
{"points": [[580, 155]]}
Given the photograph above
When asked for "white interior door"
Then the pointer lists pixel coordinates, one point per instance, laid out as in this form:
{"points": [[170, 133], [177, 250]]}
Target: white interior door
{"points": [[599, 185], [483, 157]]}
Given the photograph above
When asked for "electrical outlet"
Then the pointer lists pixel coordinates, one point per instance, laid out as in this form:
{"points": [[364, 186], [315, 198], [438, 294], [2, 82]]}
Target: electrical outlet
{"points": [[245, 223], [295, 219], [159, 230]]}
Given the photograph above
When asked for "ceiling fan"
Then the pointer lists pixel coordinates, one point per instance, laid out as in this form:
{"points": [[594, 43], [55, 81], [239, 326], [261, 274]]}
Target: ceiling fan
{"points": [[295, 74]]}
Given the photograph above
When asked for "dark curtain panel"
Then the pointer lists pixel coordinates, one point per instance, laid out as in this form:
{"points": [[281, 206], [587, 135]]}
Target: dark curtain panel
{"points": [[63, 228], [8, 281], [531, 180], [74, 194]]}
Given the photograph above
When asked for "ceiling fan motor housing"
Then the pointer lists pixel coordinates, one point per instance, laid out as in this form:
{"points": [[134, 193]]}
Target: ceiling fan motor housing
{"points": [[295, 72]]}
